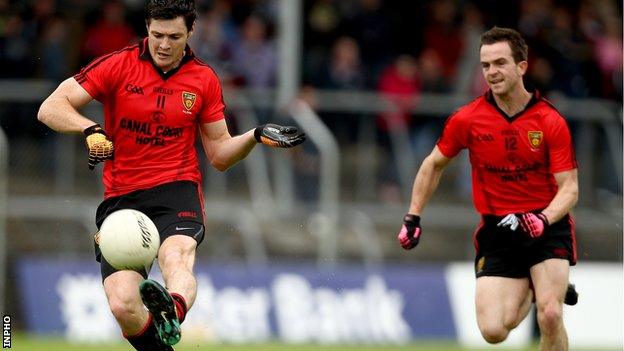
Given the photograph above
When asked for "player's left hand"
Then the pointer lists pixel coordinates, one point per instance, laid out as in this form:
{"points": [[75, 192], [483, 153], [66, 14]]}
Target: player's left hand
{"points": [[278, 136], [531, 223]]}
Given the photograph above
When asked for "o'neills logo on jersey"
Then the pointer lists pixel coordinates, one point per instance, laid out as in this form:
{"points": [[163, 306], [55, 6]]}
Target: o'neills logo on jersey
{"points": [[188, 100], [535, 138]]}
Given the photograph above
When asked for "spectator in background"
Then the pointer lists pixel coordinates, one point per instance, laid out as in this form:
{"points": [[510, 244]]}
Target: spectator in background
{"points": [[344, 69], [535, 16], [371, 30], [432, 80], [608, 54], [110, 33], [541, 75], [15, 55], [214, 36], [431, 72], [443, 34], [253, 58], [588, 19], [55, 50], [22, 29], [400, 85], [323, 20], [570, 53], [468, 79]]}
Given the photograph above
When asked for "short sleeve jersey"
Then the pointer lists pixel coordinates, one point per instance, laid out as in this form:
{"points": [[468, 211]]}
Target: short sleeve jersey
{"points": [[152, 117], [514, 158]]}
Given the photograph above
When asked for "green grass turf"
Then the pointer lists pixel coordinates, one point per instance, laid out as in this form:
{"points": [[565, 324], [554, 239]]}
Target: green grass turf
{"points": [[23, 342]]}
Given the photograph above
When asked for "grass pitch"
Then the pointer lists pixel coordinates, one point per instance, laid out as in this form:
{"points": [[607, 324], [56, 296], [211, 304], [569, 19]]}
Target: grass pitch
{"points": [[23, 342]]}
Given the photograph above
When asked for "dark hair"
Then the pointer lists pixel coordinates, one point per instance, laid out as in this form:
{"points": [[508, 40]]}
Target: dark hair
{"points": [[171, 9], [519, 48]]}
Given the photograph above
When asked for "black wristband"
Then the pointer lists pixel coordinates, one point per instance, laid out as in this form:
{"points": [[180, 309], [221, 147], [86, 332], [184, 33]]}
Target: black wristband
{"points": [[543, 218], [258, 132], [96, 128], [411, 219]]}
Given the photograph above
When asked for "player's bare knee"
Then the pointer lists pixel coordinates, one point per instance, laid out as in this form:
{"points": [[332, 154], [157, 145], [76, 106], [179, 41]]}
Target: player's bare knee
{"points": [[550, 316], [124, 308], [494, 334], [512, 323]]}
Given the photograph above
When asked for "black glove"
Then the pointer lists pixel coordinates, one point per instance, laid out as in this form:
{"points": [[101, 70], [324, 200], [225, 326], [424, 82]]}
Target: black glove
{"points": [[410, 232], [100, 148], [278, 136]]}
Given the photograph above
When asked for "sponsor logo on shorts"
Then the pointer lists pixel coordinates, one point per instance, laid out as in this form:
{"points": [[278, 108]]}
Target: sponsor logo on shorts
{"points": [[480, 264], [560, 252], [187, 214]]}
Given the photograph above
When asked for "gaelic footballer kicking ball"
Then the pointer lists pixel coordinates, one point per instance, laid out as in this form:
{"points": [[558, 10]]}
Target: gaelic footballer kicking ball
{"points": [[129, 240]]}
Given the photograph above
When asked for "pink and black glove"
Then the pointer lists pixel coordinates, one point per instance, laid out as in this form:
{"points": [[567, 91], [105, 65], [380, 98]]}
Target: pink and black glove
{"points": [[410, 232], [531, 223]]}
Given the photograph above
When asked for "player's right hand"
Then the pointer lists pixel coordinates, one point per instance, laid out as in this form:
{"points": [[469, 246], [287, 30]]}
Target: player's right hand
{"points": [[510, 221], [410, 232], [99, 147]]}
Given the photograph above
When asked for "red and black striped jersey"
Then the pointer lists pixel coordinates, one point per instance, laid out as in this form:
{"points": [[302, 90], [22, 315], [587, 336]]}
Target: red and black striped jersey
{"points": [[513, 159], [152, 117]]}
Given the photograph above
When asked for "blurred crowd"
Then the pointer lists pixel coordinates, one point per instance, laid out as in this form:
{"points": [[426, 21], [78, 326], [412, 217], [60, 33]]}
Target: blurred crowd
{"points": [[395, 47], [411, 46]]}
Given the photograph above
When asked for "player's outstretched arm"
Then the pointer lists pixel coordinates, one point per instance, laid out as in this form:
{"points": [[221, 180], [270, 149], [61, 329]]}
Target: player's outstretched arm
{"points": [[427, 179], [425, 184], [223, 150], [59, 110]]}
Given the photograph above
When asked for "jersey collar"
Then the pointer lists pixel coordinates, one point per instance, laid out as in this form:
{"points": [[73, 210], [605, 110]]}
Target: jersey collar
{"points": [[145, 55], [535, 97]]}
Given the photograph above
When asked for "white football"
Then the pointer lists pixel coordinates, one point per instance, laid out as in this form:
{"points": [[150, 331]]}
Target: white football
{"points": [[129, 240]]}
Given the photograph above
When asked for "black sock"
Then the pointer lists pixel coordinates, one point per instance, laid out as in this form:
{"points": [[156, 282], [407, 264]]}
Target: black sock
{"points": [[148, 339]]}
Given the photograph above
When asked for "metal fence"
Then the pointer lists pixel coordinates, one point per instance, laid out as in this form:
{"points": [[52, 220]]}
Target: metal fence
{"points": [[319, 201]]}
